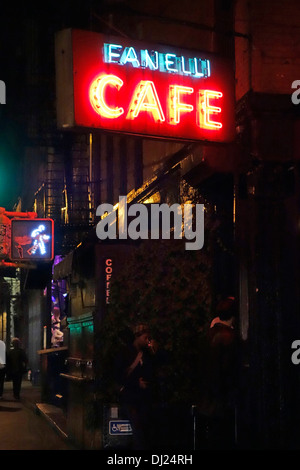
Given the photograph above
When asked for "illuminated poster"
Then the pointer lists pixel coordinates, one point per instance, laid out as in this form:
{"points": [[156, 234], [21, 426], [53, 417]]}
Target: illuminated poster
{"points": [[152, 90], [32, 239]]}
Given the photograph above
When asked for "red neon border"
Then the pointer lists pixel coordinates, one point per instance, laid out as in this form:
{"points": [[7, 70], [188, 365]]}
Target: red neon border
{"points": [[52, 240]]}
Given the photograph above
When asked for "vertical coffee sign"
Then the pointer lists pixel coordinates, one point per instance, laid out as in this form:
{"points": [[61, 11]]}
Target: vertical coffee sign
{"points": [[107, 278]]}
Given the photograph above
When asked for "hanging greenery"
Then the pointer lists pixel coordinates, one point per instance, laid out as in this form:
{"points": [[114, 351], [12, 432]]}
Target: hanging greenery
{"points": [[20, 304], [5, 294], [170, 289], [167, 287]]}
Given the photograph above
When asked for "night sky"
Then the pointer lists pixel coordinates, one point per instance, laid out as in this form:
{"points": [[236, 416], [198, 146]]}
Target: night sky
{"points": [[19, 64], [11, 152]]}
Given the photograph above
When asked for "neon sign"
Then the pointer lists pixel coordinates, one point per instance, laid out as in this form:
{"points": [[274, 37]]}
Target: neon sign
{"points": [[145, 98], [97, 92], [176, 104], [158, 91], [108, 274], [32, 239], [154, 60], [208, 109]]}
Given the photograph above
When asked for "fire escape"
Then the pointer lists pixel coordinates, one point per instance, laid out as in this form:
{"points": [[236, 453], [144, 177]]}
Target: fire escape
{"points": [[67, 194]]}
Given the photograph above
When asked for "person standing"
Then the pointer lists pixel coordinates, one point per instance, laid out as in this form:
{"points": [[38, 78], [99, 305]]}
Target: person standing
{"points": [[2, 366], [134, 374], [16, 366], [220, 376]]}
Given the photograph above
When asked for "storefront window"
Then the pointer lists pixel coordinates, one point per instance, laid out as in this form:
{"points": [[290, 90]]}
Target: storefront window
{"points": [[59, 306]]}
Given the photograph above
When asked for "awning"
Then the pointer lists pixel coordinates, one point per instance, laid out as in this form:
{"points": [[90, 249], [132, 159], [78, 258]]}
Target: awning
{"points": [[64, 268]]}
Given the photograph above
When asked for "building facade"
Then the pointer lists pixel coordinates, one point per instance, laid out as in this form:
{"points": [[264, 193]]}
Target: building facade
{"points": [[249, 188]]}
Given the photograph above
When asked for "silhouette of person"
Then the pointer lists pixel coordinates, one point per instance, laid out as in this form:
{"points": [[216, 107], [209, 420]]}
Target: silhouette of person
{"points": [[220, 376], [16, 366], [134, 374]]}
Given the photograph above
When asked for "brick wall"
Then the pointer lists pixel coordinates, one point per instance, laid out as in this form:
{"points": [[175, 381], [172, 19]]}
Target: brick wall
{"points": [[268, 59]]}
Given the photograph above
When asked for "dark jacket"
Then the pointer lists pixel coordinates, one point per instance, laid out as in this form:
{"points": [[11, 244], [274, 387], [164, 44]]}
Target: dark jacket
{"points": [[220, 371], [16, 361], [130, 391]]}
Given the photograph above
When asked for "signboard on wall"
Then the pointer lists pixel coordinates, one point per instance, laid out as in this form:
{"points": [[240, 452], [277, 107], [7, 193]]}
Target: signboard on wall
{"points": [[126, 86], [32, 239]]}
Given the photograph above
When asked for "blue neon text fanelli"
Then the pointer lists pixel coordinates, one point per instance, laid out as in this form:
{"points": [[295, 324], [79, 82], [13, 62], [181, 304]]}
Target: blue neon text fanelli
{"points": [[154, 60]]}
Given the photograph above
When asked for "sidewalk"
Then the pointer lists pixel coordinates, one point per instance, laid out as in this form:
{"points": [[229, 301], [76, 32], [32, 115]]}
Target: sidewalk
{"points": [[31, 398]]}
